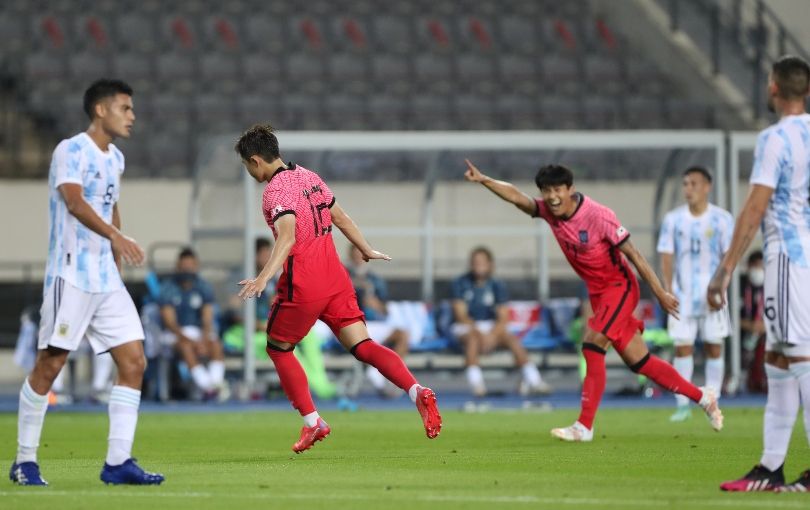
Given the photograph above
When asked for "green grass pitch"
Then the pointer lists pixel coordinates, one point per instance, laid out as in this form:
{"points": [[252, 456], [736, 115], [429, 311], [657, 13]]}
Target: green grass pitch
{"points": [[382, 460]]}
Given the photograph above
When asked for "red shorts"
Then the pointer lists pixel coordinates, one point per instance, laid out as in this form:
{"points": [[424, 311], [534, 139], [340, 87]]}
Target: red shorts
{"points": [[613, 313], [290, 321]]}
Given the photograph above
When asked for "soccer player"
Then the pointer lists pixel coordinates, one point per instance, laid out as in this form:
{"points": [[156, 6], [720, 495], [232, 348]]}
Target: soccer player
{"points": [[778, 200], [694, 237], [300, 210], [84, 294], [596, 244]]}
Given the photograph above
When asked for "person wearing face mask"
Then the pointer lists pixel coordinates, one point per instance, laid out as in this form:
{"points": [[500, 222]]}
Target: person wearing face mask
{"points": [[481, 320], [752, 323], [694, 237], [187, 311]]}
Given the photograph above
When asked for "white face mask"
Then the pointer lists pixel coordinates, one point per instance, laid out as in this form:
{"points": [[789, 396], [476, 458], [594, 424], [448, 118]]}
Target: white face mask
{"points": [[756, 275]]}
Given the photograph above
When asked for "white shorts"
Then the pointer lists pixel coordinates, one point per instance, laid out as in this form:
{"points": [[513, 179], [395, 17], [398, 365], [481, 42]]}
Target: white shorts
{"points": [[712, 328], [69, 314], [193, 333], [458, 329], [787, 306]]}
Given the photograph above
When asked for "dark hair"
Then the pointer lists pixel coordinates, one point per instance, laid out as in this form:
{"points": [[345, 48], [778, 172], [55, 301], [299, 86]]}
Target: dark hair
{"points": [[260, 141], [187, 252], [554, 175], [102, 89], [698, 170], [484, 251], [755, 256], [262, 242], [792, 77]]}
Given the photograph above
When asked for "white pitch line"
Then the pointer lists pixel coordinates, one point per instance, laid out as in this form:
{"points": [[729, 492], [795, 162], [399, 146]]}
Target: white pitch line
{"points": [[530, 500]]}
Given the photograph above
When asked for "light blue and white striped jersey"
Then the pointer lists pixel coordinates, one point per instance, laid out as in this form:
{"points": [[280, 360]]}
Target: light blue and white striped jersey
{"points": [[782, 162], [697, 245], [75, 253]]}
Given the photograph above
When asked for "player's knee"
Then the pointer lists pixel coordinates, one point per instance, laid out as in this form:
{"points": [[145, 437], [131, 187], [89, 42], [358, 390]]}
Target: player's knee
{"points": [[132, 367], [638, 365]]}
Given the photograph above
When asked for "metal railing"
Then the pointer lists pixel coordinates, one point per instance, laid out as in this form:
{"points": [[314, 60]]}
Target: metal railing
{"points": [[732, 32]]}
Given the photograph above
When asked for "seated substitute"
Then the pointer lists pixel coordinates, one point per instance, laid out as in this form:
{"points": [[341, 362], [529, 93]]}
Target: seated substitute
{"points": [[187, 311], [481, 321], [372, 294]]}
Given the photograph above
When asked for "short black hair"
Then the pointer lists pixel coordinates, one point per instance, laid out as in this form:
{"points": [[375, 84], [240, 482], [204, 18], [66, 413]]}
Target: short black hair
{"points": [[755, 256], [262, 243], [554, 175], [698, 170], [484, 251], [259, 140], [187, 252], [792, 77], [102, 89]]}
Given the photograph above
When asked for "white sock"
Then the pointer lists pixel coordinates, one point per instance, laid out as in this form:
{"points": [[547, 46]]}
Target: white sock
{"points": [[58, 385], [217, 370], [685, 365], [201, 377], [474, 376], [715, 370], [311, 419], [531, 375], [376, 378], [102, 370], [801, 371], [413, 392], [123, 408], [30, 416], [780, 414]]}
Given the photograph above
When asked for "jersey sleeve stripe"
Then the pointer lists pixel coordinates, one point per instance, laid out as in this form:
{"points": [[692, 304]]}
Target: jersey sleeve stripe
{"points": [[622, 241], [332, 202], [282, 213]]}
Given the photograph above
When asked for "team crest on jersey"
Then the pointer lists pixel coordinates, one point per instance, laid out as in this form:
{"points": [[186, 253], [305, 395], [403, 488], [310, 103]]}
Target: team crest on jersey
{"points": [[709, 233], [583, 236], [63, 329]]}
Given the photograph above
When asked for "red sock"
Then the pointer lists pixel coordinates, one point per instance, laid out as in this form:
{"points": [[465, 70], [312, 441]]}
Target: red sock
{"points": [[293, 380], [594, 384], [665, 375], [386, 361]]}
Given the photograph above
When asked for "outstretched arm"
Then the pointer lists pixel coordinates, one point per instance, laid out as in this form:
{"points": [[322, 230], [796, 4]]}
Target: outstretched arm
{"points": [[285, 226], [668, 302], [352, 232], [744, 232], [503, 189]]}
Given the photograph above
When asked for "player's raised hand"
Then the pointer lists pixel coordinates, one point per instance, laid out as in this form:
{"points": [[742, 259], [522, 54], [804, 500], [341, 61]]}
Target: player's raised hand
{"points": [[670, 304], [127, 249], [473, 174], [375, 255], [252, 288], [716, 291]]}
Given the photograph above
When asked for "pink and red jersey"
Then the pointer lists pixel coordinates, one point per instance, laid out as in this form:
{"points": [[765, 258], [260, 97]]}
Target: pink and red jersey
{"points": [[590, 240], [313, 269]]}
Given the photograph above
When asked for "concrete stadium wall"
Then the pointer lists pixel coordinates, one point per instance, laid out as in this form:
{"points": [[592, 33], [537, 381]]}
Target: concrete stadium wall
{"points": [[155, 211]]}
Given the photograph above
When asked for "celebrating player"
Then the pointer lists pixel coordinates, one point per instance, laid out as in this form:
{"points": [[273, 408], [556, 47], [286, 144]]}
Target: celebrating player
{"points": [[694, 237], [300, 209], [84, 294], [778, 200], [595, 244]]}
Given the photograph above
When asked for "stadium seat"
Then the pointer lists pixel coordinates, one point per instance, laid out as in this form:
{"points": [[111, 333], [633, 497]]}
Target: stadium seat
{"points": [[264, 34], [474, 111], [345, 112], [136, 31], [391, 73], [517, 111], [309, 71], [252, 108], [387, 111], [434, 72], [135, 68], [476, 72], [519, 35], [393, 34], [221, 71], [349, 72]]}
